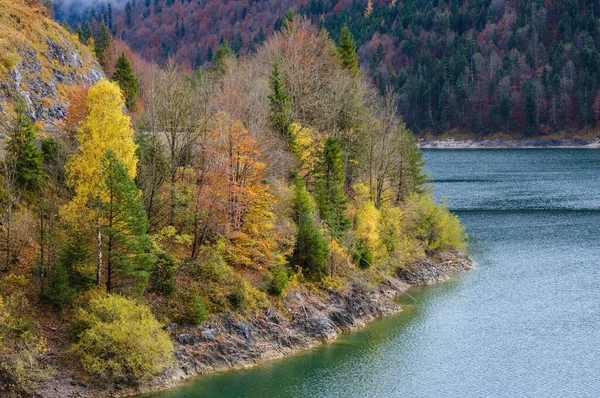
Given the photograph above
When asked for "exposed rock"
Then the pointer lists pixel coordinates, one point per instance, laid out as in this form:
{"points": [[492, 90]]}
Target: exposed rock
{"points": [[39, 65], [304, 320]]}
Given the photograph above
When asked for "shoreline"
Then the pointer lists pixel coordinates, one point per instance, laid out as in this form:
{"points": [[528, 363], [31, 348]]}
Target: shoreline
{"points": [[516, 144], [304, 319]]}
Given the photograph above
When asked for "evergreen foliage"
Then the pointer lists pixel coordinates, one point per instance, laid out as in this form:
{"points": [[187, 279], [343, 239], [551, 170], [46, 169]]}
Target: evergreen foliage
{"points": [[126, 79], [125, 225], [311, 250], [279, 103], [102, 42], [22, 156], [162, 277], [59, 291], [329, 191], [220, 57], [347, 50]]}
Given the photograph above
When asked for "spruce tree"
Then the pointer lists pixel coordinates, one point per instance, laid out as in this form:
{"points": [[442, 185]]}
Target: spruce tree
{"points": [[279, 103], [24, 158], [126, 79], [347, 50], [329, 192], [125, 225], [101, 43], [220, 57], [311, 249]]}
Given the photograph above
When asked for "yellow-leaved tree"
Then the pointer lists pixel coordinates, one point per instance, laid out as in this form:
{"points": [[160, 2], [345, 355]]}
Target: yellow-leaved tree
{"points": [[106, 128]]}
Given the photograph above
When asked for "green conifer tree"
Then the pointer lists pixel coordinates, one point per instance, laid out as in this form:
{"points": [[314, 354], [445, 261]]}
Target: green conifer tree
{"points": [[126, 79], [125, 226], [102, 42], [279, 102], [347, 50], [220, 57], [24, 158], [329, 192], [311, 249]]}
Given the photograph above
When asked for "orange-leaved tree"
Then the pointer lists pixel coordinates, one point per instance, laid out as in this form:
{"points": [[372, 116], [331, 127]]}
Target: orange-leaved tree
{"points": [[248, 199]]}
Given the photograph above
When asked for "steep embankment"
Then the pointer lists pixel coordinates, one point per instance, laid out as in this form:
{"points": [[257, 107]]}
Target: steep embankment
{"points": [[40, 61], [303, 319]]}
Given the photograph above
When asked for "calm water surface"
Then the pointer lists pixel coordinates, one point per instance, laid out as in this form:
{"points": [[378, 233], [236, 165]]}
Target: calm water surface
{"points": [[524, 323]]}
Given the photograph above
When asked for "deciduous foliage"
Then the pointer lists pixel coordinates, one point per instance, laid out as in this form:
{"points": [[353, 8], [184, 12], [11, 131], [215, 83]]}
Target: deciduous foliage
{"points": [[119, 339], [106, 128]]}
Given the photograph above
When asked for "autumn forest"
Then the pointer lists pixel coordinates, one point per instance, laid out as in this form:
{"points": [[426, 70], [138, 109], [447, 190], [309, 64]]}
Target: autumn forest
{"points": [[171, 196]]}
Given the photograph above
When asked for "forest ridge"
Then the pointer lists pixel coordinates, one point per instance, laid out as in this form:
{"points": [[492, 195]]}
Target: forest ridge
{"points": [[525, 68]]}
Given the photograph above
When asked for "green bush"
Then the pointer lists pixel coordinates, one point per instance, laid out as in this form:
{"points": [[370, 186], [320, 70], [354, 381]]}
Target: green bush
{"points": [[195, 312], [162, 277], [59, 291], [120, 340], [211, 265], [362, 255], [237, 297], [279, 280]]}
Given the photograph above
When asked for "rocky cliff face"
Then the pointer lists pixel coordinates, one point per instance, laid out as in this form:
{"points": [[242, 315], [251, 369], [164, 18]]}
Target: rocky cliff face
{"points": [[40, 62]]}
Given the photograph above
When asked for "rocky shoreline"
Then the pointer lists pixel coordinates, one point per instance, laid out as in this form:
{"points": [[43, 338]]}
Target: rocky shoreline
{"points": [[498, 143], [305, 319]]}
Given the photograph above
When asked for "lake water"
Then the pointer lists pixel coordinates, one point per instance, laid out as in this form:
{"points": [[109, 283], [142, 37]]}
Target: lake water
{"points": [[524, 323]]}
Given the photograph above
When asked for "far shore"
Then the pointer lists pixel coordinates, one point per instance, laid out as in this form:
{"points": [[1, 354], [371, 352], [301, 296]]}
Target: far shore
{"points": [[499, 143]]}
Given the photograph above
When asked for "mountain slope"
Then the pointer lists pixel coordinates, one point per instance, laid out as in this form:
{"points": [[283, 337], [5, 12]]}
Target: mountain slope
{"points": [[522, 67], [39, 61]]}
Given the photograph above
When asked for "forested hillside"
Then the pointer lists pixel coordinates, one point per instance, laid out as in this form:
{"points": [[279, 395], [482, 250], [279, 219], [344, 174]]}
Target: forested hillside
{"points": [[170, 198], [523, 67]]}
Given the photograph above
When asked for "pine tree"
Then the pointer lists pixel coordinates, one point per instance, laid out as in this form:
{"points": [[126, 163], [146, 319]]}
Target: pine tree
{"points": [[220, 57], [279, 103], [311, 250], [101, 43], [126, 79], [347, 50], [329, 191], [531, 108], [22, 154], [124, 225]]}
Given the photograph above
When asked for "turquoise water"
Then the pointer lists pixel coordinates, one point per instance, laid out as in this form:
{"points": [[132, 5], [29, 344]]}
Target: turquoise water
{"points": [[524, 323]]}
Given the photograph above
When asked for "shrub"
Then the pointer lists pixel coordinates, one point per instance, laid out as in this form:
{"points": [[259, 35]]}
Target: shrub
{"points": [[11, 60], [211, 264], [362, 255], [118, 339], [279, 280], [237, 297], [195, 313], [245, 297], [21, 349], [59, 292], [433, 224], [162, 277]]}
